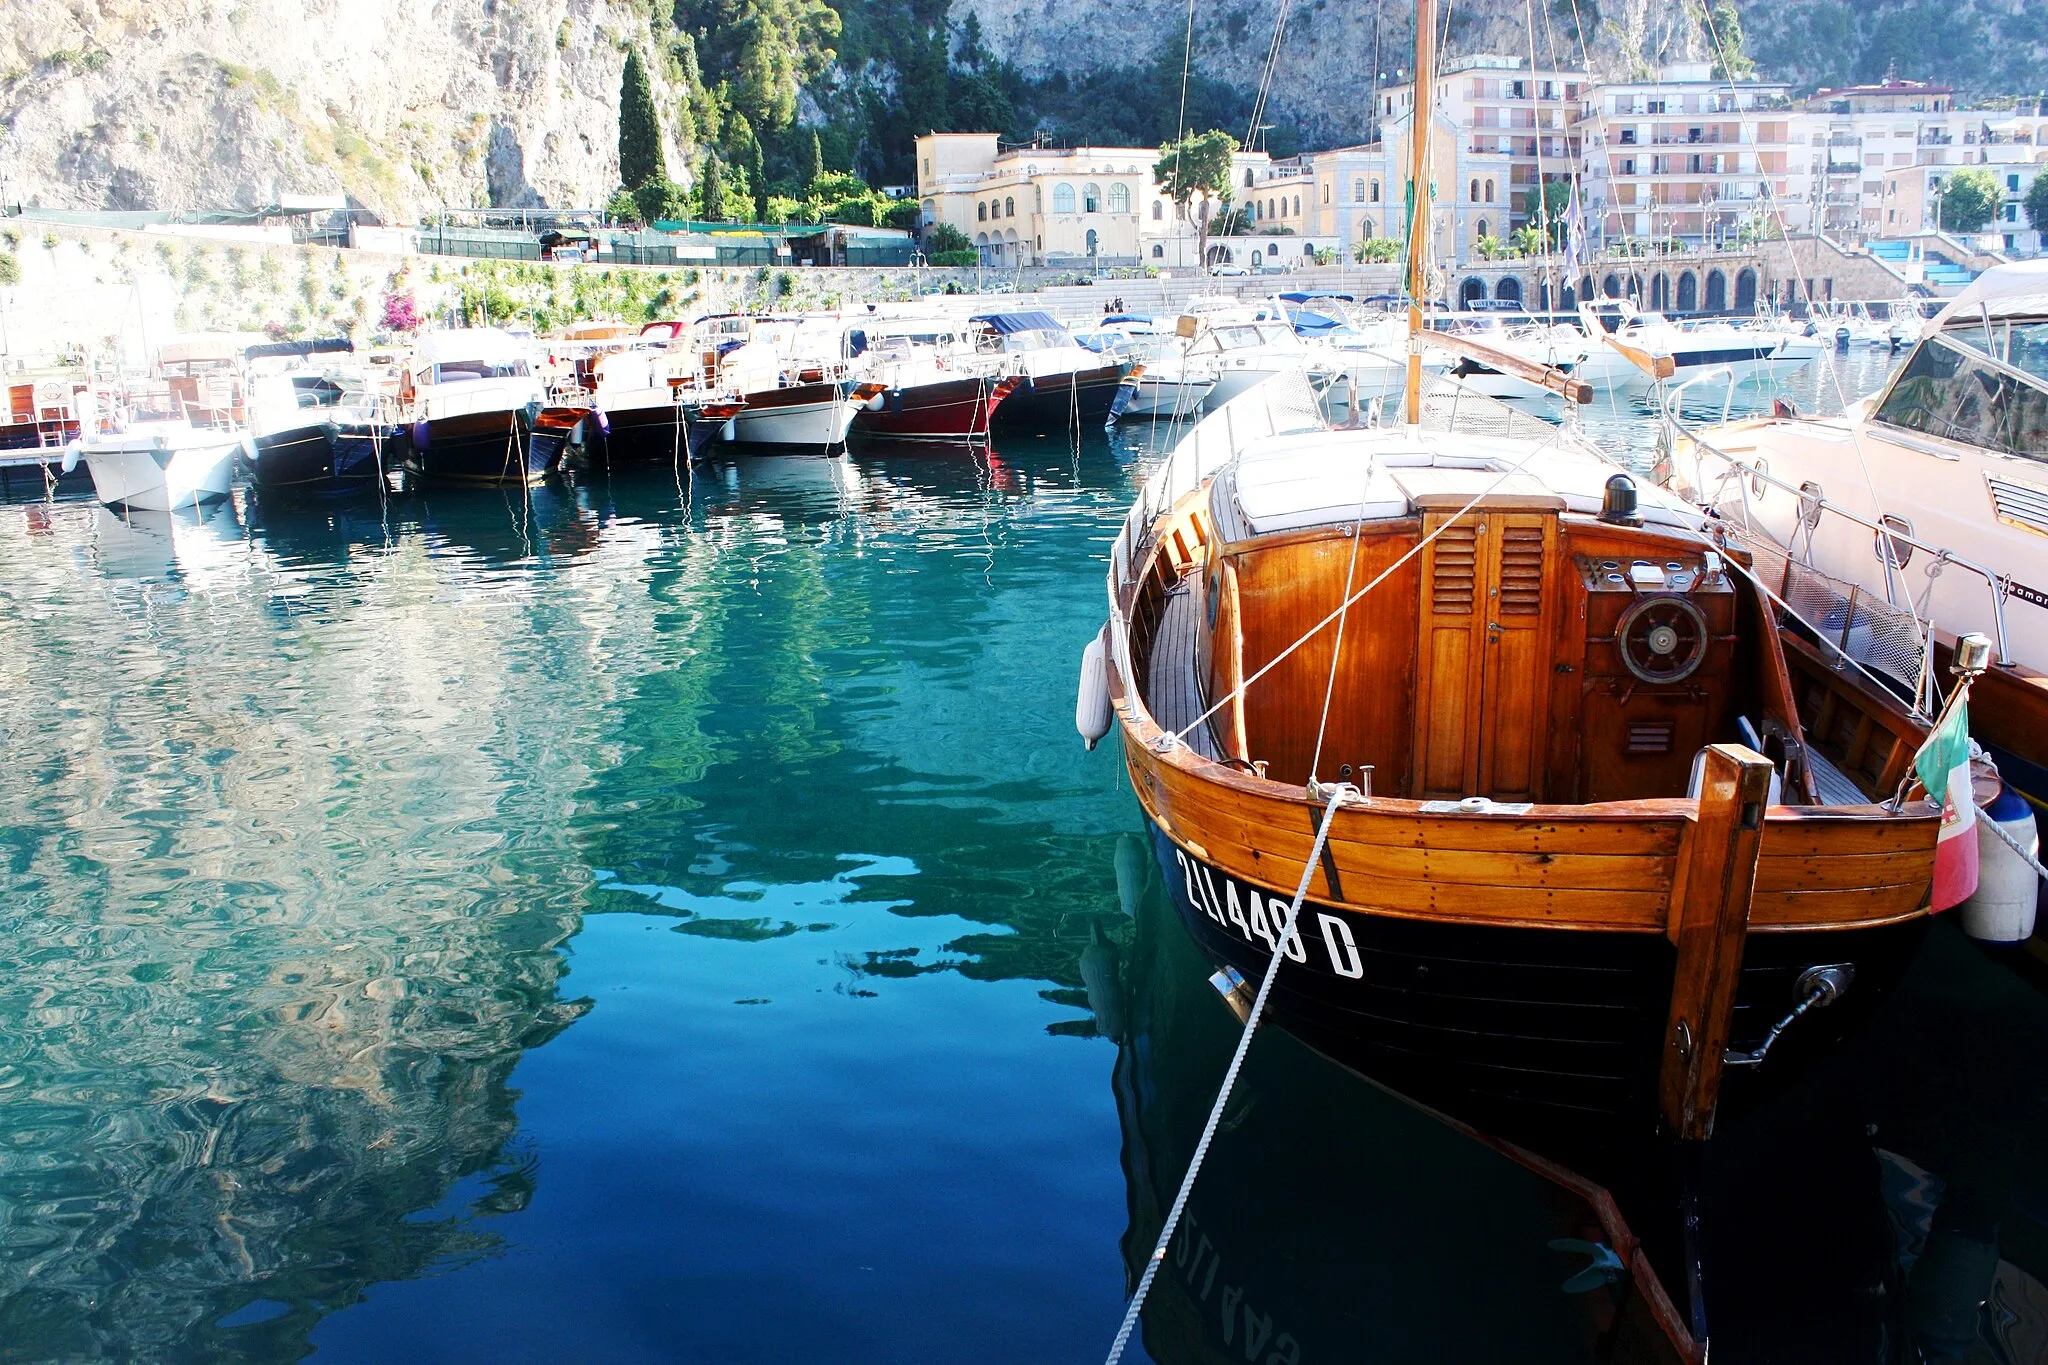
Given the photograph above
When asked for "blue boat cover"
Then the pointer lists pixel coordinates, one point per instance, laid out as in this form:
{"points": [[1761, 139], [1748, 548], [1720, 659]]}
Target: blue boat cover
{"points": [[1005, 323], [1306, 295]]}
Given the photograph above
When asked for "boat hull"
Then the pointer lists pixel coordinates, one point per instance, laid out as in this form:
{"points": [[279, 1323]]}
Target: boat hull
{"points": [[817, 415], [959, 409], [150, 479], [492, 448], [1048, 403], [1552, 1037], [332, 459], [1162, 399]]}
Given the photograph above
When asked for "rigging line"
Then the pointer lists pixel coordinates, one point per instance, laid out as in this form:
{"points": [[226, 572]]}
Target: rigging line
{"points": [[1350, 575], [1266, 77], [1770, 196], [1234, 693], [1286, 935]]}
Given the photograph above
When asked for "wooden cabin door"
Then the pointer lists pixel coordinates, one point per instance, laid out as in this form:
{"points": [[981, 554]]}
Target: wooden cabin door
{"points": [[1484, 649]]}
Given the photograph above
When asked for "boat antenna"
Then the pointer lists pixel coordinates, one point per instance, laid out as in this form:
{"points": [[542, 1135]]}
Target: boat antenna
{"points": [[1418, 198]]}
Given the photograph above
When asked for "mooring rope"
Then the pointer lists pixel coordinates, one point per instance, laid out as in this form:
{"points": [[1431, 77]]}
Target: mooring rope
{"points": [[2015, 845], [1251, 1025]]}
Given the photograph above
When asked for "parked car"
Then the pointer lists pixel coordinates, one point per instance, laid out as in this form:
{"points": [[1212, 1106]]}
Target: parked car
{"points": [[1228, 270]]}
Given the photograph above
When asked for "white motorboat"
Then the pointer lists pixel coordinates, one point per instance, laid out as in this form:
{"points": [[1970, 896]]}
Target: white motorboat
{"points": [[1167, 383], [1741, 352], [157, 463], [1559, 348]]}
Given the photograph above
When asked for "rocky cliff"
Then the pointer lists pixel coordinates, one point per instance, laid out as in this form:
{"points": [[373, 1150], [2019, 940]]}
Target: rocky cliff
{"points": [[401, 104]]}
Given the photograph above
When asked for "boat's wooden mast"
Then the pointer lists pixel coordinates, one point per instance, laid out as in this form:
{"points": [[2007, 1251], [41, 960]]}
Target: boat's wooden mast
{"points": [[1418, 196]]}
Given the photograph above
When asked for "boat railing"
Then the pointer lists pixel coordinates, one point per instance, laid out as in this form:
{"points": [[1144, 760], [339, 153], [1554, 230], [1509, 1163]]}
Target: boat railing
{"points": [[1873, 631]]}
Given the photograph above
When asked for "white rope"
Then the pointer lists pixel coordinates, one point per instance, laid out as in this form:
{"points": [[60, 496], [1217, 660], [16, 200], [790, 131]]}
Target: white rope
{"points": [[1244, 1042], [2014, 845], [1337, 650]]}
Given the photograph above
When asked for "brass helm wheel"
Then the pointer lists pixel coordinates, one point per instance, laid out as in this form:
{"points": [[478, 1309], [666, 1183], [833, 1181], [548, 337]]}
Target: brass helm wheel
{"points": [[1662, 639]]}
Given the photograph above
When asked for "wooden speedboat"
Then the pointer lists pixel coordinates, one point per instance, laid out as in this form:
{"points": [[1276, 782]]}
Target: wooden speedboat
{"points": [[469, 396], [1061, 385]]}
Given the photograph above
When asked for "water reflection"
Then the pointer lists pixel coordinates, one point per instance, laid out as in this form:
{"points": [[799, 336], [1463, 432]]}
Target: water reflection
{"points": [[1330, 1219]]}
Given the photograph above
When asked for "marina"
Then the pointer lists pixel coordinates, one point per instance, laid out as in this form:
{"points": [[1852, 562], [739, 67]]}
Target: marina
{"points": [[842, 683]]}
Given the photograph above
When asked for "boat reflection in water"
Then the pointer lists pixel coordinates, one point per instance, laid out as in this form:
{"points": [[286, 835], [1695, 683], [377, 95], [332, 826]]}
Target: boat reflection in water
{"points": [[1332, 1221]]}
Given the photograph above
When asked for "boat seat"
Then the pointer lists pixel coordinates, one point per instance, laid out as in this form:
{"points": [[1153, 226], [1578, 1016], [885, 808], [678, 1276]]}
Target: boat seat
{"points": [[1834, 786]]}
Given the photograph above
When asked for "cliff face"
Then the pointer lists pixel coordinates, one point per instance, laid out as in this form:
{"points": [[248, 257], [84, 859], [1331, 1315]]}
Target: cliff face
{"points": [[401, 104]]}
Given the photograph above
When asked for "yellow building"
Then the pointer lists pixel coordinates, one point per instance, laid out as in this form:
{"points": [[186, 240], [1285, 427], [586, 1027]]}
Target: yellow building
{"points": [[1036, 205]]}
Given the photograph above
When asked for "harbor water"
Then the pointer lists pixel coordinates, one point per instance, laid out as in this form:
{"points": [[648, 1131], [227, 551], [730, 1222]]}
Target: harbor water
{"points": [[670, 916]]}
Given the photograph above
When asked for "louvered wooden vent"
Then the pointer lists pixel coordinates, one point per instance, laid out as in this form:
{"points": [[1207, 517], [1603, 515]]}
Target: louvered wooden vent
{"points": [[1649, 737], [1452, 586], [1521, 571]]}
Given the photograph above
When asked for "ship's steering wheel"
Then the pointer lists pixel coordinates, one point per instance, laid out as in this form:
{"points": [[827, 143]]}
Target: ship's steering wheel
{"points": [[1662, 639]]}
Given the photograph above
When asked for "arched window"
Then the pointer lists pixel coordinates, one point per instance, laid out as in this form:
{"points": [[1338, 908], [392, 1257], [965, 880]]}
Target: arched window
{"points": [[981, 239], [1475, 190], [1688, 293], [1660, 293], [1365, 229], [1586, 288], [1375, 191], [1489, 191], [1158, 251], [1091, 241], [1158, 210], [1247, 177], [1297, 206], [1009, 206], [1509, 289], [1612, 286], [1717, 292], [981, 212], [1482, 232], [1470, 292], [1252, 210], [1745, 290], [1358, 190], [1119, 198], [1062, 198], [1091, 199]]}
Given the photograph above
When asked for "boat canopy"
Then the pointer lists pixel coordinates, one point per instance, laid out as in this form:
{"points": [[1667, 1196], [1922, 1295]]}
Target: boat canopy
{"points": [[208, 348], [1311, 295], [2019, 289], [1007, 324], [487, 344], [271, 350]]}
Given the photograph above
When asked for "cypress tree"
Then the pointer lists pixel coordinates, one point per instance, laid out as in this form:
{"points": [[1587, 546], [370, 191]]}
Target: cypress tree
{"points": [[711, 192], [639, 128], [814, 161]]}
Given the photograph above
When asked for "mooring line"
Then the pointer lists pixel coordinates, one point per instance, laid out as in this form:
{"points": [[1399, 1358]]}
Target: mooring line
{"points": [[1285, 935]]}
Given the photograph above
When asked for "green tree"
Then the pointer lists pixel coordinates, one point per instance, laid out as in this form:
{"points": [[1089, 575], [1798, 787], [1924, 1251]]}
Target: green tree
{"points": [[10, 269], [1721, 26], [1195, 174], [661, 199], [1969, 198], [813, 163], [711, 191], [945, 237], [2037, 203], [622, 207], [1547, 209], [766, 49], [640, 157]]}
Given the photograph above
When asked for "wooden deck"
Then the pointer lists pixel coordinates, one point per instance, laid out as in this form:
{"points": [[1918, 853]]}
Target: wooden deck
{"points": [[1174, 690]]}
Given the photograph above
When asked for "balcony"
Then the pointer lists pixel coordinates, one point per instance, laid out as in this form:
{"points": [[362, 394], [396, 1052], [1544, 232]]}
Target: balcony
{"points": [[1936, 139], [1845, 168]]}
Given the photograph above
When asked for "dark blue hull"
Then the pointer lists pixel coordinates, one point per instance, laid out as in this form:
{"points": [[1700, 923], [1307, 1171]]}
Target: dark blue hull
{"points": [[330, 460], [1544, 1036], [491, 448], [1054, 403]]}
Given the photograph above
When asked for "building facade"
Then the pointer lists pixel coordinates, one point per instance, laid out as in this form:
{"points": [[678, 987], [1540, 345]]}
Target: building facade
{"points": [[1500, 107], [1686, 157]]}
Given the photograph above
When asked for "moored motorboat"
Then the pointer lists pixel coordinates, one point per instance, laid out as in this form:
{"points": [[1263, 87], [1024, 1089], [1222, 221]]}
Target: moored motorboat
{"points": [[1061, 385], [318, 430], [147, 453], [925, 382], [1739, 353], [467, 401]]}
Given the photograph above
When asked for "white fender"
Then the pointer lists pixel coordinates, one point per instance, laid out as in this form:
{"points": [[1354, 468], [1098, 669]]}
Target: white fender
{"points": [[1091, 706], [71, 456], [2001, 910]]}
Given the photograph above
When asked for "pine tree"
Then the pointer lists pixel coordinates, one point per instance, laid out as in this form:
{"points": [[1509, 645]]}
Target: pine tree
{"points": [[640, 157], [711, 192]]}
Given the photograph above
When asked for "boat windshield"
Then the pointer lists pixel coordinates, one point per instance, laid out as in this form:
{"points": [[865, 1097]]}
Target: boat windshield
{"points": [[1959, 393], [2020, 344], [1042, 339], [462, 371]]}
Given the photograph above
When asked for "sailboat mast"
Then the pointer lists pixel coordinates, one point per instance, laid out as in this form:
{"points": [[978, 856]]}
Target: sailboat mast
{"points": [[1418, 195]]}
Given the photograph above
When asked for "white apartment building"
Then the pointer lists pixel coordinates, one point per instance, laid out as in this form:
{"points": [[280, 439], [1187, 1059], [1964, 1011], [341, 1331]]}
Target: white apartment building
{"points": [[1687, 156], [1502, 108]]}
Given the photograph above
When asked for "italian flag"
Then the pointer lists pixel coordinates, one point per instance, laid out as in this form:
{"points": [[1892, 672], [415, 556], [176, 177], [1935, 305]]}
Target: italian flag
{"points": [[1943, 766]]}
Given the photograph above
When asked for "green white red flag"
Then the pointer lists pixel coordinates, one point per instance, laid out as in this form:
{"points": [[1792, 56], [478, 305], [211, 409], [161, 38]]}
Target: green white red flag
{"points": [[1943, 766]]}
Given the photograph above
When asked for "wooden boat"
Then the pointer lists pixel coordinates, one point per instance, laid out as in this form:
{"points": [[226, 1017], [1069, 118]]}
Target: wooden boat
{"points": [[1597, 831], [1061, 385], [318, 430], [469, 396]]}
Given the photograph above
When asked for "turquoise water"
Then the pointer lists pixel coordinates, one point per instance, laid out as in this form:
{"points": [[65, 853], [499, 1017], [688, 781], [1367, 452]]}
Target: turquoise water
{"points": [[652, 919]]}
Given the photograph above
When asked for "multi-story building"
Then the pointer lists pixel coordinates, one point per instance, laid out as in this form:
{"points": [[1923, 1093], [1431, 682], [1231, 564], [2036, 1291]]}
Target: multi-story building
{"points": [[1032, 205], [1686, 156], [1500, 107]]}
